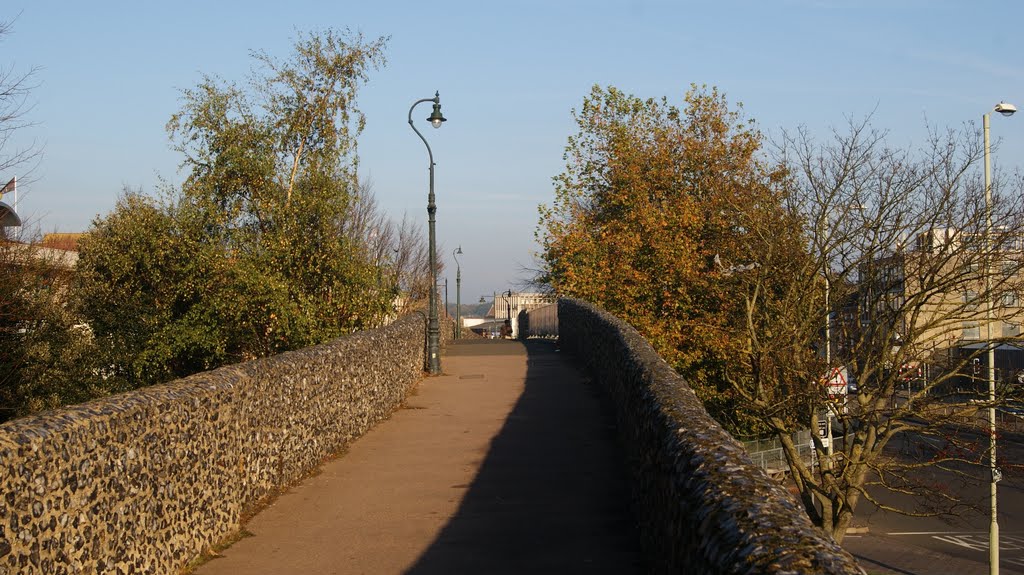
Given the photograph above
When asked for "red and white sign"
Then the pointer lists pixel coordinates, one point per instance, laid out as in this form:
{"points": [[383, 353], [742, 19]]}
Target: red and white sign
{"points": [[837, 382]]}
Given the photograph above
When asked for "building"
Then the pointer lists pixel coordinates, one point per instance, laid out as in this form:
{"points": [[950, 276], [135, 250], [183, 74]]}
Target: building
{"points": [[930, 302], [508, 305]]}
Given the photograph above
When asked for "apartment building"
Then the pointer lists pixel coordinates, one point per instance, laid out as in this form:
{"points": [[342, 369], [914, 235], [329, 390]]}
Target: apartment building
{"points": [[938, 299]]}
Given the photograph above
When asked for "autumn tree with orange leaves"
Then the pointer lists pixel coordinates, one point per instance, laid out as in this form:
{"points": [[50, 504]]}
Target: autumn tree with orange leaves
{"points": [[735, 263], [645, 224]]}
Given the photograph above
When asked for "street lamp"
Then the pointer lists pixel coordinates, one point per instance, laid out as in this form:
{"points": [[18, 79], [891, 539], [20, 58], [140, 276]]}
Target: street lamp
{"points": [[433, 331], [458, 292], [508, 305], [8, 213], [494, 306], [993, 534]]}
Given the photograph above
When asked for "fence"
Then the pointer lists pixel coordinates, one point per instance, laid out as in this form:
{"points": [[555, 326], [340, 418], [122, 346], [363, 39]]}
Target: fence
{"points": [[769, 455]]}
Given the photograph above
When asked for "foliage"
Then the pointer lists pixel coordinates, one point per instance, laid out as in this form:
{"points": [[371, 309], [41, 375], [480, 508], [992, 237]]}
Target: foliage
{"points": [[43, 353], [146, 282], [265, 246], [758, 275], [275, 175], [270, 244], [644, 210]]}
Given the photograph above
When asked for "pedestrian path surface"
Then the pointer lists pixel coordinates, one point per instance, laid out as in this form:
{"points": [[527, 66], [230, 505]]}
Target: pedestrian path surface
{"points": [[504, 464]]}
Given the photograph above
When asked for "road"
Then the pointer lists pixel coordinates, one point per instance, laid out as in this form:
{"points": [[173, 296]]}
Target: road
{"points": [[905, 545]]}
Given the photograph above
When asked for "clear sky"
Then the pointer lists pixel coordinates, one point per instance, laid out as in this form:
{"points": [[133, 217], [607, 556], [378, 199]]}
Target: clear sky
{"points": [[110, 76]]}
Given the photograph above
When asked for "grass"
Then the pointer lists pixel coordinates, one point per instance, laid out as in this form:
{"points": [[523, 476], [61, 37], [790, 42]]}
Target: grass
{"points": [[215, 551]]}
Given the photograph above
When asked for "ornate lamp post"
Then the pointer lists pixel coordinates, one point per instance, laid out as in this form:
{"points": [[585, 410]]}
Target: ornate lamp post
{"points": [[508, 306], [433, 330], [8, 213], [458, 292], [993, 530]]}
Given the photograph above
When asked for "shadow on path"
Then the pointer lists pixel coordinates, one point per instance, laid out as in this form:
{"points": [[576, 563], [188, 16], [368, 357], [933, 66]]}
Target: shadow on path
{"points": [[551, 495]]}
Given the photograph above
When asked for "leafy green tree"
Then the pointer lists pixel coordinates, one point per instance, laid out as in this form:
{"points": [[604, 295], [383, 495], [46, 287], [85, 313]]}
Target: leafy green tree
{"points": [[274, 169], [146, 282], [44, 352], [259, 252]]}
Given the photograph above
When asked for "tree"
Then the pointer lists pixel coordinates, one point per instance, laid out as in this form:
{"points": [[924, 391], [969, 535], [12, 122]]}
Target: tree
{"points": [[398, 251], [44, 351], [641, 215], [263, 248], [766, 278], [41, 348], [274, 169], [148, 282], [896, 269]]}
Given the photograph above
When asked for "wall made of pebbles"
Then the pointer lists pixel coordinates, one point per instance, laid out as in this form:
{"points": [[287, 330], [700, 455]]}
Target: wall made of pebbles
{"points": [[145, 481], [703, 506]]}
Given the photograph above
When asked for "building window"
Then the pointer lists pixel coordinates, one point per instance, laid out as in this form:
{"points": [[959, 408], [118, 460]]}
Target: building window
{"points": [[971, 330], [1010, 243], [1010, 299], [1011, 329], [970, 300], [1009, 269]]}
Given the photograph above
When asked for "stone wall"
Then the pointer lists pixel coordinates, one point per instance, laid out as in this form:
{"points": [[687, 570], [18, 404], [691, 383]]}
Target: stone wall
{"points": [[703, 506], [143, 482]]}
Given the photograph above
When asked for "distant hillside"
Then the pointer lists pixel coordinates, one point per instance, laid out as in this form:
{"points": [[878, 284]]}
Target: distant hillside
{"points": [[471, 309]]}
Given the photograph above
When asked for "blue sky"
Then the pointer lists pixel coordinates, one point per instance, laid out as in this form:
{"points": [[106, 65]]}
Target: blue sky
{"points": [[110, 75]]}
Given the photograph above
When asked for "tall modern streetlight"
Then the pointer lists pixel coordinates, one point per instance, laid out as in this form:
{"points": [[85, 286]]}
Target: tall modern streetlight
{"points": [[993, 533], [458, 292], [433, 331]]}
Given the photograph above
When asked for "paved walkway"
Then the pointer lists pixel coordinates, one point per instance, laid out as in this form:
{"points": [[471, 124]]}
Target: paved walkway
{"points": [[505, 464]]}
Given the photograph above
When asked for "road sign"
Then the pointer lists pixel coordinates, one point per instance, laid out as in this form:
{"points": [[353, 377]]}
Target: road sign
{"points": [[837, 381]]}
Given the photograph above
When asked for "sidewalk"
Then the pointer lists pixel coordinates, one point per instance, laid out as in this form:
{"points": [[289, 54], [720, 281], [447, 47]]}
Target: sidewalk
{"points": [[505, 464]]}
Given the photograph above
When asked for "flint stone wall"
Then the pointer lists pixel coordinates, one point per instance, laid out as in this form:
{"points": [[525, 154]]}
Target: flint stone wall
{"points": [[703, 506], [143, 482]]}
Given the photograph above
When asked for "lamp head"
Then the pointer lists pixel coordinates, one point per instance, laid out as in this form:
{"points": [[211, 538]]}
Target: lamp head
{"points": [[8, 217], [458, 250], [435, 118], [482, 300], [1005, 108]]}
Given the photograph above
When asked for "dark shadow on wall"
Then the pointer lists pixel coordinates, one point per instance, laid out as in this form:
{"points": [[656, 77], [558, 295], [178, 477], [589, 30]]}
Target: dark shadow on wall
{"points": [[552, 493]]}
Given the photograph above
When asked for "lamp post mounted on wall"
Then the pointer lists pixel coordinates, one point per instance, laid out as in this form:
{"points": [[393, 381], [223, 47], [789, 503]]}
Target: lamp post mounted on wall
{"points": [[993, 533], [433, 329], [458, 292]]}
